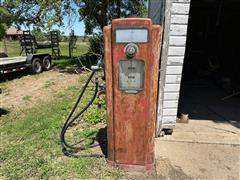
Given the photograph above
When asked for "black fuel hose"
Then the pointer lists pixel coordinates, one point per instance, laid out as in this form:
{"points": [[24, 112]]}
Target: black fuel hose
{"points": [[71, 150]]}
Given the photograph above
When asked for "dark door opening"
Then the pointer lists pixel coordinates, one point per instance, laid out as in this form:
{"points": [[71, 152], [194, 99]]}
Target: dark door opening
{"points": [[210, 88]]}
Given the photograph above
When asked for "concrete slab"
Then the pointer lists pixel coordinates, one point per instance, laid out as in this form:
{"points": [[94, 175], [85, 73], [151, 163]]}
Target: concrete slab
{"points": [[200, 149]]}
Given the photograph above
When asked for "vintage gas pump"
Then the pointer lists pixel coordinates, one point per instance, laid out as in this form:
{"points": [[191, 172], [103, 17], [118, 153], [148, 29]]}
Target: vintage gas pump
{"points": [[132, 52]]}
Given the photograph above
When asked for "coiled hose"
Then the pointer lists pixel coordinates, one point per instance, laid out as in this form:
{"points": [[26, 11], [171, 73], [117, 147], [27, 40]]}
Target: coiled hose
{"points": [[71, 150]]}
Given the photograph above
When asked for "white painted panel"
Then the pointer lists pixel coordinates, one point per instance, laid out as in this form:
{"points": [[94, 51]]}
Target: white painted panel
{"points": [[176, 51], [174, 70], [178, 60], [180, 8], [178, 30], [173, 79], [177, 40], [172, 88], [179, 19], [182, 1], [171, 96], [169, 125], [169, 119], [170, 104], [170, 112]]}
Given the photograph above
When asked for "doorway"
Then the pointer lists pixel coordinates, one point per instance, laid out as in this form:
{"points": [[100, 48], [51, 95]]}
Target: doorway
{"points": [[210, 87]]}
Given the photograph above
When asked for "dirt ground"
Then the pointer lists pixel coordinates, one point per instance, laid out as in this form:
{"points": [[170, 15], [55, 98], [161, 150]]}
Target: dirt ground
{"points": [[201, 149], [29, 89]]}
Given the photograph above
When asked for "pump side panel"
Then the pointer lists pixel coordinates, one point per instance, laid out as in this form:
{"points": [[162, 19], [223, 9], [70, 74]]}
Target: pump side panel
{"points": [[109, 90], [150, 133], [133, 113]]}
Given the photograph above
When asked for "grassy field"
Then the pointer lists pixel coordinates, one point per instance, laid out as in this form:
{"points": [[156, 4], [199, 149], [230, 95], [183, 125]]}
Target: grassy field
{"points": [[30, 145], [14, 49], [29, 137]]}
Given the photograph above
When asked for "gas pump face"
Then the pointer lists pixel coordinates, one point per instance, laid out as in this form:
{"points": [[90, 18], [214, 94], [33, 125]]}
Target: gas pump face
{"points": [[131, 70], [132, 49]]}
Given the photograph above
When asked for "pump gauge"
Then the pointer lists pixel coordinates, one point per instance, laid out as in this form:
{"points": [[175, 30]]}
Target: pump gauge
{"points": [[131, 75]]}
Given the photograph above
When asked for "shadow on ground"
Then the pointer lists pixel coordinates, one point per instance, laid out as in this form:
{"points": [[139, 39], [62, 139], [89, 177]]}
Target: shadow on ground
{"points": [[101, 138], [3, 112], [14, 75], [204, 101]]}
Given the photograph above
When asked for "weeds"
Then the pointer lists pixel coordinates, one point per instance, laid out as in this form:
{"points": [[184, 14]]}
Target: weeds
{"points": [[49, 84], [26, 98]]}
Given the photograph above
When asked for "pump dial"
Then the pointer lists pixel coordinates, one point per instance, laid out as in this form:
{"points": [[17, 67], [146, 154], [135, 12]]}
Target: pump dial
{"points": [[131, 50]]}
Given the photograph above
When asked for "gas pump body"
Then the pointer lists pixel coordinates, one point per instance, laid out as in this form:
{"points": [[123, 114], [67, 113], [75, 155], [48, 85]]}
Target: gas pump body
{"points": [[132, 53]]}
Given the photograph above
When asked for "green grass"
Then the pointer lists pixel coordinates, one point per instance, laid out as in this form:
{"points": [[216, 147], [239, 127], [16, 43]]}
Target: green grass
{"points": [[49, 84], [29, 138], [26, 98], [80, 52], [14, 49], [30, 145]]}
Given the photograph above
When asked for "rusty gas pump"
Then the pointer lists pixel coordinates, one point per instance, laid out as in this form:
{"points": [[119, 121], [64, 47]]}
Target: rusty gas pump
{"points": [[131, 58], [132, 53]]}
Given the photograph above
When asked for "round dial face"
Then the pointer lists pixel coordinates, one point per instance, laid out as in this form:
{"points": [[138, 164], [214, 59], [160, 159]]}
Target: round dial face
{"points": [[131, 50]]}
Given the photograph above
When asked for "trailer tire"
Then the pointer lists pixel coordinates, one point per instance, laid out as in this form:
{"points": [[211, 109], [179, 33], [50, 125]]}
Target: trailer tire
{"points": [[46, 64], [36, 66]]}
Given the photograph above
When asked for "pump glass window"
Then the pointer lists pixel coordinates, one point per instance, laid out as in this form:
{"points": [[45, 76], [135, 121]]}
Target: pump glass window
{"points": [[132, 35], [131, 75]]}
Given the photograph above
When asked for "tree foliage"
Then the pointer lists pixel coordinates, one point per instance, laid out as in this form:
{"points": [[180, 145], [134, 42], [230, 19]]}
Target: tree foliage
{"points": [[5, 20], [97, 14], [40, 13], [94, 13], [40, 35]]}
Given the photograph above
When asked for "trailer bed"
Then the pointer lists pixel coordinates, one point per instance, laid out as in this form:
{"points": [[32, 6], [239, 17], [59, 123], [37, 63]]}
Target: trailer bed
{"points": [[12, 60], [36, 63]]}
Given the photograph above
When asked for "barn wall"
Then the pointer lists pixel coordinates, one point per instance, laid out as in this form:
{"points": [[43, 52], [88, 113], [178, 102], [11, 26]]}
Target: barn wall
{"points": [[173, 51]]}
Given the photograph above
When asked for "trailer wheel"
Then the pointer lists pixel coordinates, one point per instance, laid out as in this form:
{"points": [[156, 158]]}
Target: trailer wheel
{"points": [[36, 67], [46, 64]]}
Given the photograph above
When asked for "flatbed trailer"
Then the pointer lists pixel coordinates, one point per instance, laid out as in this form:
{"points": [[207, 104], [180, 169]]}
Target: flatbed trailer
{"points": [[36, 63]]}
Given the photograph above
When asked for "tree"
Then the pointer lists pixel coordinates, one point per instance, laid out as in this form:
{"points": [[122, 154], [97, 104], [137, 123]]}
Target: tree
{"points": [[39, 34], [5, 21], [43, 14], [97, 14], [72, 43], [94, 13]]}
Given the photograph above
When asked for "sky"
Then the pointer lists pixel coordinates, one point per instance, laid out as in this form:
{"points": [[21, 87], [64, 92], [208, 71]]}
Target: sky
{"points": [[77, 26], [72, 22]]}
